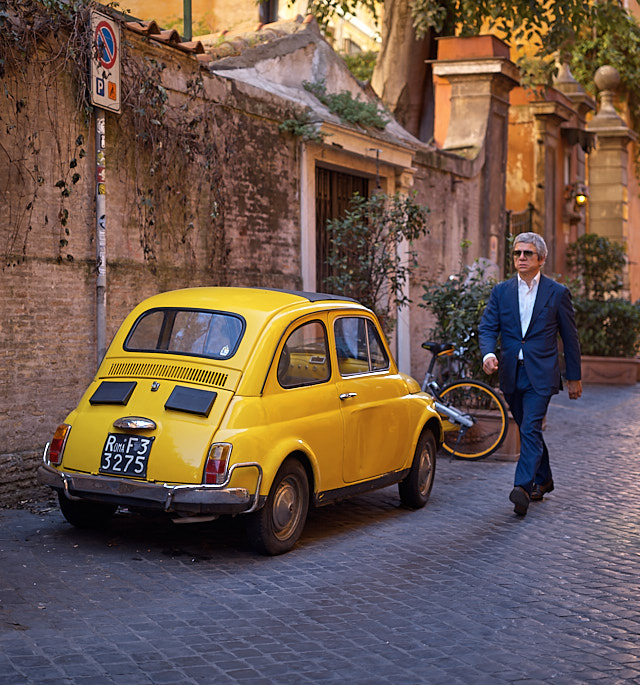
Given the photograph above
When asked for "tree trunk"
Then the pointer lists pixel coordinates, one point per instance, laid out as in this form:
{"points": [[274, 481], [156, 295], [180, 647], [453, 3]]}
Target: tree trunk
{"points": [[401, 77]]}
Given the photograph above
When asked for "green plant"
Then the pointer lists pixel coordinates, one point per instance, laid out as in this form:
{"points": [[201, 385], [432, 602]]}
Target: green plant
{"points": [[597, 263], [608, 326], [611, 36], [371, 258], [348, 108], [303, 127], [324, 10], [457, 305], [361, 64]]}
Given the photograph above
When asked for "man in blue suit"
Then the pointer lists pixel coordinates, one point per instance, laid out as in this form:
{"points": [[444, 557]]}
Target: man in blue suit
{"points": [[527, 312]]}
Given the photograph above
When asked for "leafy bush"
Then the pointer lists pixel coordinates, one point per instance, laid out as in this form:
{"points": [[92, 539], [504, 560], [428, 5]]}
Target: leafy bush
{"points": [[608, 326], [598, 263], [366, 260], [457, 305]]}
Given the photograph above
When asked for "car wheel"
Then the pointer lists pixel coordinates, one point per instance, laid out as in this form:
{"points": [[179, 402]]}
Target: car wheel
{"points": [[416, 487], [276, 527], [82, 514]]}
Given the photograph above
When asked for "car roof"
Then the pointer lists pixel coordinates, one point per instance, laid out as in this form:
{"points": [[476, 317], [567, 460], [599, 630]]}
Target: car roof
{"points": [[236, 299], [312, 296]]}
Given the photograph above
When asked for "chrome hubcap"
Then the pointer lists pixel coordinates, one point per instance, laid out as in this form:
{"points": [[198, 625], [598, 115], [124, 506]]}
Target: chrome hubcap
{"points": [[286, 507], [425, 471]]}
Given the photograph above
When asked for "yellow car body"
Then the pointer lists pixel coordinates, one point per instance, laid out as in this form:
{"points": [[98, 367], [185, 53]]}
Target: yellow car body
{"points": [[215, 401]]}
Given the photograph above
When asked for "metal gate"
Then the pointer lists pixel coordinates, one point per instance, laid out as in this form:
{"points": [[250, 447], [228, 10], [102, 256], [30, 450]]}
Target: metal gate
{"points": [[334, 190], [516, 222]]}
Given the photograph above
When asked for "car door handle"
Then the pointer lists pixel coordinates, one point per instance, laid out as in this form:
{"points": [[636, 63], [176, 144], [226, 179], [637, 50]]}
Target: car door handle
{"points": [[348, 395]]}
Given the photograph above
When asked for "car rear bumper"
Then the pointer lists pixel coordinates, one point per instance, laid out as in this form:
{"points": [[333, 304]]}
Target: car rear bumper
{"points": [[180, 499]]}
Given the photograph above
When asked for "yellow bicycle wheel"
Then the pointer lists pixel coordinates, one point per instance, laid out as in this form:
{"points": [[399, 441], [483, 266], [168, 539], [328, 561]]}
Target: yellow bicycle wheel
{"points": [[488, 412]]}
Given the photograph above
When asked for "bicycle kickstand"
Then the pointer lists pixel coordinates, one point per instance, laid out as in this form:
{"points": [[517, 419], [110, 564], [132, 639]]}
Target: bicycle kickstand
{"points": [[461, 433]]}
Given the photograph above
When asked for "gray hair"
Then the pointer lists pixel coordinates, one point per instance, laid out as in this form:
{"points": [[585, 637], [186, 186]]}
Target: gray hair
{"points": [[536, 240]]}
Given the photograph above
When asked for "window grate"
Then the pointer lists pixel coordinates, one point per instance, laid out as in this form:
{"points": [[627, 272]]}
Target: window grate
{"points": [[215, 379]]}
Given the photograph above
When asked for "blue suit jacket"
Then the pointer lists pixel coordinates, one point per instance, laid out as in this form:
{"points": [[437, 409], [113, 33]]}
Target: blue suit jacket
{"points": [[552, 315]]}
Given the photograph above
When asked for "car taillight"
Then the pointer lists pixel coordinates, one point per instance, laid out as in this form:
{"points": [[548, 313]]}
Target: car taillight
{"points": [[215, 469], [56, 447]]}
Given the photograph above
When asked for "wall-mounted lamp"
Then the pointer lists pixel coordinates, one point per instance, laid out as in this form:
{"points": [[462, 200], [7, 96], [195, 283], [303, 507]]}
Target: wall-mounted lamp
{"points": [[575, 198], [577, 193]]}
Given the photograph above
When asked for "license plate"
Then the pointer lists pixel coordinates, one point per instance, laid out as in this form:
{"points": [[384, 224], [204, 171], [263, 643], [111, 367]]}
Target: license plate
{"points": [[126, 455]]}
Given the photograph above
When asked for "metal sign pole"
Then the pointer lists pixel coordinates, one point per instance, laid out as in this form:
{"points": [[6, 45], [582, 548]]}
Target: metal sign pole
{"points": [[101, 237], [105, 96], [187, 30]]}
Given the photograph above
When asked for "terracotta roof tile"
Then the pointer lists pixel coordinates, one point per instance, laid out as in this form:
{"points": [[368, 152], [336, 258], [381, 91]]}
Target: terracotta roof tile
{"points": [[226, 43], [171, 37]]}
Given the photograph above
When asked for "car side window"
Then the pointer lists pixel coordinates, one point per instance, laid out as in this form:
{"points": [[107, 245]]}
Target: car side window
{"points": [[377, 354], [358, 346], [304, 359]]}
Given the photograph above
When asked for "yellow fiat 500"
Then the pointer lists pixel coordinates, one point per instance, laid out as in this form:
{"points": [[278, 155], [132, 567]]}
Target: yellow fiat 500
{"points": [[214, 401]]}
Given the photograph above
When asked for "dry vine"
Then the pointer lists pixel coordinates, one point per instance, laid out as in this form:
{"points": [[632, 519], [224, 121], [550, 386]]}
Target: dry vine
{"points": [[172, 174], [35, 64]]}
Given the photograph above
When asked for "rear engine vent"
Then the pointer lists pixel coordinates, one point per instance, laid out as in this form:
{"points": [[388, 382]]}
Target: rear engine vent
{"points": [[166, 371]]}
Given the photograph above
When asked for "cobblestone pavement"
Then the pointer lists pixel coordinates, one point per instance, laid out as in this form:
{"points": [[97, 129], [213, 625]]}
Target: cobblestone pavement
{"points": [[462, 591]]}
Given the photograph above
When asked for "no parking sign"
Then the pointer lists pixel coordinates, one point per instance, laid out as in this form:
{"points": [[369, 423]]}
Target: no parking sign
{"points": [[105, 62]]}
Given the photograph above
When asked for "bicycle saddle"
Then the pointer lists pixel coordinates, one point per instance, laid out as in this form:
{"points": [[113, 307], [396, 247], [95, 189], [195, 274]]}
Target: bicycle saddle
{"points": [[438, 348]]}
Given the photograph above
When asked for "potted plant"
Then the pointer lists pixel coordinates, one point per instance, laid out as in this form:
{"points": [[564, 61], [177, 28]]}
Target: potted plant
{"points": [[457, 306], [608, 324]]}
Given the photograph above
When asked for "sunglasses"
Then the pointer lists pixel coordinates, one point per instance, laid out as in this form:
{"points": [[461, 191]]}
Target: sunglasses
{"points": [[524, 253]]}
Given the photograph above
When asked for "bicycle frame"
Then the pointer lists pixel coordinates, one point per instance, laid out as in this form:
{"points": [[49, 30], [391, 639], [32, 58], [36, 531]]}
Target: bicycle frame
{"points": [[430, 385], [472, 412]]}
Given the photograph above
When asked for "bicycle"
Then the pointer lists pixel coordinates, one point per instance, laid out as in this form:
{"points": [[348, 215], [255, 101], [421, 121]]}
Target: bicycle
{"points": [[474, 416]]}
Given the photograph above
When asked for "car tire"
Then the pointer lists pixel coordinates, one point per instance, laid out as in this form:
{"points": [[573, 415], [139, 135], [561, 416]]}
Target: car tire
{"points": [[276, 527], [82, 514], [416, 487]]}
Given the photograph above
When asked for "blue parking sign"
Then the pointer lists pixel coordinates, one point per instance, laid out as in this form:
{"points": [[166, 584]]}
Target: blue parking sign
{"points": [[105, 62]]}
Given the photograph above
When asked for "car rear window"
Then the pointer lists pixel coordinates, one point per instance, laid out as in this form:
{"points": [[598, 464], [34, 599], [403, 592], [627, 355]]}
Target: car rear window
{"points": [[197, 332]]}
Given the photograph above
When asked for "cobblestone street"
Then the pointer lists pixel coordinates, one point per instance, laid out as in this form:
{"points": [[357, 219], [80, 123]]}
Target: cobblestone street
{"points": [[463, 591]]}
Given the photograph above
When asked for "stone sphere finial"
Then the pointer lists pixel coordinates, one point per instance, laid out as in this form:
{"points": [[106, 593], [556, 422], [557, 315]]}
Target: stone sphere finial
{"points": [[607, 78]]}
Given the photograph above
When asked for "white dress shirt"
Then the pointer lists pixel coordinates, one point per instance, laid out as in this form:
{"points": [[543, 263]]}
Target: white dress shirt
{"points": [[526, 300]]}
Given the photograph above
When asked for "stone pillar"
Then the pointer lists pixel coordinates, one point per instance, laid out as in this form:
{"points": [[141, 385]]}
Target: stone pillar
{"points": [[608, 163], [478, 124], [549, 116]]}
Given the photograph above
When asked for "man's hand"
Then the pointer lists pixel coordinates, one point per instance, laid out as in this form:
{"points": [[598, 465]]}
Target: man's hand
{"points": [[575, 389], [490, 365]]}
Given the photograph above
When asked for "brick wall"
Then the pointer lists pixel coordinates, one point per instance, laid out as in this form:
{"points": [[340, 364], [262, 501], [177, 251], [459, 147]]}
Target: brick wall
{"points": [[47, 273]]}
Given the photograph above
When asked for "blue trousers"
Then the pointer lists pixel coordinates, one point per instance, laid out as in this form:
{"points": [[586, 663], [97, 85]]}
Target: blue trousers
{"points": [[528, 408]]}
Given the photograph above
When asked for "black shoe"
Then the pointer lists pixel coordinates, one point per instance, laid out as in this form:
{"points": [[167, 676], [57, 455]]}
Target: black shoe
{"points": [[520, 498], [538, 491]]}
